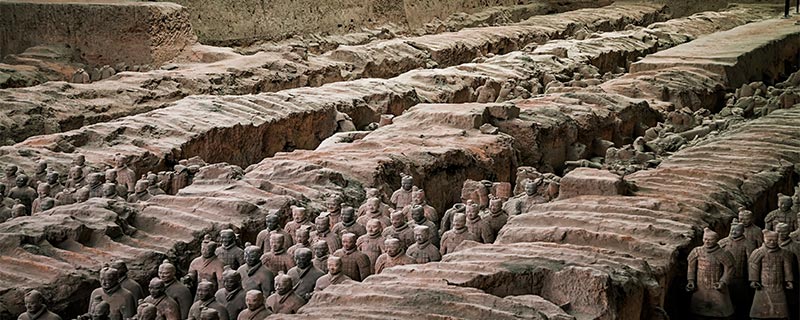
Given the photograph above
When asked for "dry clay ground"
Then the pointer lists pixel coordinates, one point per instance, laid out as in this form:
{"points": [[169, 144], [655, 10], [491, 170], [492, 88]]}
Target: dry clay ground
{"points": [[267, 124]]}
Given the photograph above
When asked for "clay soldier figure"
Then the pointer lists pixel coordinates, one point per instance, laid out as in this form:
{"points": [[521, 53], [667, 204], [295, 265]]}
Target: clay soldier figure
{"points": [[418, 219], [395, 255], [180, 179], [205, 299], [371, 243], [48, 203], [43, 189], [166, 308], [783, 214], [125, 175], [140, 192], [452, 238], [321, 253], [4, 200], [231, 294], [110, 192], [423, 251], [740, 249], [400, 230], [35, 308], [521, 203], [127, 283], [102, 311], [374, 212], [95, 185], [787, 244], [277, 260], [23, 192], [76, 178], [19, 209], [304, 275], [175, 289], [122, 191], [80, 76], [5, 210], [323, 232], [770, 274], [497, 217], [348, 224], [710, 269], [153, 185], [486, 92], [146, 312], [40, 175], [382, 207], [299, 219], [120, 300], [476, 225], [334, 275], [229, 253], [402, 197], [210, 314], [207, 266], [10, 177], [255, 276], [751, 231], [273, 226], [284, 300], [418, 199], [55, 185], [303, 236], [80, 162], [447, 220], [256, 309], [334, 213], [355, 264]]}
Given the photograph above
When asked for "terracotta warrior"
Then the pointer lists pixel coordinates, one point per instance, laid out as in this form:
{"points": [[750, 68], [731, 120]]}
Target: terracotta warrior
{"points": [[205, 299], [710, 269], [423, 251], [95, 185], [783, 214], [140, 192], [452, 238], [230, 254], [23, 192], [10, 175], [127, 283], [402, 197], [35, 309], [207, 266], [395, 256], [323, 232], [497, 217], [520, 204], [418, 218], [125, 176], [153, 185], [110, 192], [121, 301], [334, 206], [381, 207], [277, 260], [273, 226], [740, 249], [76, 178], [43, 190], [447, 220], [372, 243], [122, 190], [146, 312], [102, 311], [770, 274], [303, 236], [787, 244], [175, 289], [256, 308], [751, 231], [231, 295], [418, 199], [284, 300], [400, 230], [355, 264], [55, 185], [255, 276], [334, 275], [374, 212], [40, 173], [321, 254], [478, 226], [299, 219], [166, 307], [348, 224], [304, 275]]}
